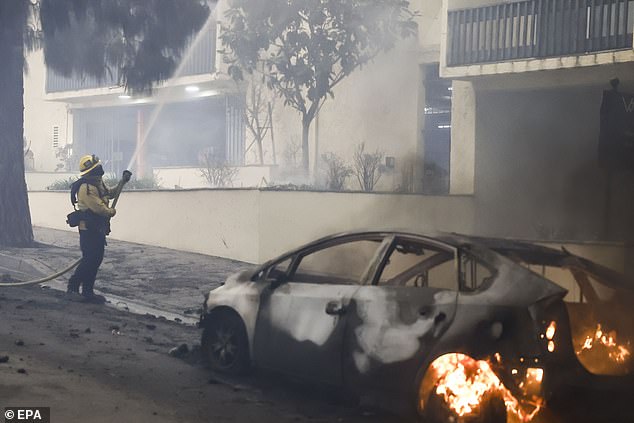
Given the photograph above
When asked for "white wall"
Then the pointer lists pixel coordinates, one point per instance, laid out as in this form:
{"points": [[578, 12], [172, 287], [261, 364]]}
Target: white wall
{"points": [[256, 225], [288, 219], [41, 115], [190, 177], [38, 181], [378, 104]]}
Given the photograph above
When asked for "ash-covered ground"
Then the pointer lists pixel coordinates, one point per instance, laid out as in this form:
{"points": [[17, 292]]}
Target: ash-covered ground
{"points": [[93, 363]]}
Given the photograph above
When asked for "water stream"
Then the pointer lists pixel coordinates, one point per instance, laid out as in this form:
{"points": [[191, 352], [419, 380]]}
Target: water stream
{"points": [[160, 103]]}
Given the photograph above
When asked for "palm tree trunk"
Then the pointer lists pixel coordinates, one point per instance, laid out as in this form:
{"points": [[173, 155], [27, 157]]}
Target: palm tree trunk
{"points": [[15, 218]]}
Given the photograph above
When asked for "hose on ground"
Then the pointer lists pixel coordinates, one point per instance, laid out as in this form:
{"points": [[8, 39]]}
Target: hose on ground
{"points": [[44, 279]]}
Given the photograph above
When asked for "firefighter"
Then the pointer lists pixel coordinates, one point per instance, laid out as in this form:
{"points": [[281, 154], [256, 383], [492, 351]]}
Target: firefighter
{"points": [[91, 197]]}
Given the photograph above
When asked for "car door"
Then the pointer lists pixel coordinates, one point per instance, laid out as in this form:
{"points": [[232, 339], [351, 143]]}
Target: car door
{"points": [[394, 321], [302, 314]]}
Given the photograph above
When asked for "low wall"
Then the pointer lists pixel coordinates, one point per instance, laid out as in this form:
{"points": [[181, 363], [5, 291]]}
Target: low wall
{"points": [[255, 225], [36, 181], [191, 177]]}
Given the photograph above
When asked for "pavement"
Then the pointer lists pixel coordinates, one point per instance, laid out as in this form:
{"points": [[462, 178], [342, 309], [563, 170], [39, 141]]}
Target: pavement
{"points": [[142, 279]]}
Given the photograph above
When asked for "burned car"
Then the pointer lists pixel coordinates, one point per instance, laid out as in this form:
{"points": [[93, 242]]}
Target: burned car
{"points": [[451, 327]]}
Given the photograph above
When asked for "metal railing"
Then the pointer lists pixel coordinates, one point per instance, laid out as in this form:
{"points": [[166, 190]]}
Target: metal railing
{"points": [[201, 61], [538, 29]]}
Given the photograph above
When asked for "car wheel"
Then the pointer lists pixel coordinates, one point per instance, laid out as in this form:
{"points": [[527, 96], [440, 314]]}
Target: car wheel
{"points": [[225, 345], [492, 410], [460, 374]]}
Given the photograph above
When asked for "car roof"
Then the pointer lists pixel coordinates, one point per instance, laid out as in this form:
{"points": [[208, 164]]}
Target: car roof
{"points": [[521, 248], [526, 251]]}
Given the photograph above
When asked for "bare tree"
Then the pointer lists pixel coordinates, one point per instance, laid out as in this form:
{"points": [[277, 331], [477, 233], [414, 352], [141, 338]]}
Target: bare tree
{"points": [[217, 171], [367, 167], [337, 171], [292, 153], [305, 48], [66, 157], [258, 117]]}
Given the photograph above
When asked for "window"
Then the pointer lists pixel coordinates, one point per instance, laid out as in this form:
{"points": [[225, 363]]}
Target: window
{"points": [[473, 273], [344, 263], [415, 264]]}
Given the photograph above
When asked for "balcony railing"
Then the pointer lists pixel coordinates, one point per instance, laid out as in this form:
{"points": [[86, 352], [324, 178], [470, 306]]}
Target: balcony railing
{"points": [[201, 61], [538, 29]]}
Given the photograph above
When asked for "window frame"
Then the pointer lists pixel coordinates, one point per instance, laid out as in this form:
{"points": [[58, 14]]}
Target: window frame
{"points": [[296, 256], [483, 287], [435, 245]]}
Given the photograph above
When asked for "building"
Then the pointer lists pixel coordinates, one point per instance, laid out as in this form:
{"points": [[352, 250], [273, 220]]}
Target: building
{"points": [[528, 83], [494, 102], [197, 113]]}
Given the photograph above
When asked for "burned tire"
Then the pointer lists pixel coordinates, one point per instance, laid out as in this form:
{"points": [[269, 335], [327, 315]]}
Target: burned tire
{"points": [[459, 375], [225, 345], [492, 410]]}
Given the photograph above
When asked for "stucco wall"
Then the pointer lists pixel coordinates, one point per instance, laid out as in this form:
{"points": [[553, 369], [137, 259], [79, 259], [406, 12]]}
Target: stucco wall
{"points": [[41, 115], [378, 105], [429, 21], [256, 225], [191, 177], [38, 181], [253, 225], [288, 219]]}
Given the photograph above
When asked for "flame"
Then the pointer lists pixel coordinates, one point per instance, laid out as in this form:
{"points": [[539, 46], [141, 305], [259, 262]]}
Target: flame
{"points": [[464, 383], [616, 352], [550, 331]]}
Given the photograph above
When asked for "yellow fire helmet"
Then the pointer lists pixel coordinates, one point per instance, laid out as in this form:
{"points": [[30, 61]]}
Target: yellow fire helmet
{"points": [[88, 163]]}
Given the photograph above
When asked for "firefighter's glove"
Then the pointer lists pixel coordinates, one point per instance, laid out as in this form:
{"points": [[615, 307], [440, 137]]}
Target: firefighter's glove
{"points": [[111, 212]]}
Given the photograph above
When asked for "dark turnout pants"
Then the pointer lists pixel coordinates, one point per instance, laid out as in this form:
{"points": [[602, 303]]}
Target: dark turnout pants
{"points": [[92, 245]]}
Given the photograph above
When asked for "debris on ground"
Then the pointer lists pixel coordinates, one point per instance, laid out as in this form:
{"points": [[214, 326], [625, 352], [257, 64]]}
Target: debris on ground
{"points": [[179, 351], [4, 358]]}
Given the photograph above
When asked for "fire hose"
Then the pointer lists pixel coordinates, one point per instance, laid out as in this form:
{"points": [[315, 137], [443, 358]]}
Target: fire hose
{"points": [[124, 180]]}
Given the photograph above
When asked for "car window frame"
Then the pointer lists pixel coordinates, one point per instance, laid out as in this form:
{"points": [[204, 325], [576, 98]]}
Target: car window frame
{"points": [[374, 281], [485, 286], [262, 274]]}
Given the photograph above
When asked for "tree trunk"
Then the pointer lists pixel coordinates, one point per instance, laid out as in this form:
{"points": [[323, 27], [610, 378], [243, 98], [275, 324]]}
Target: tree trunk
{"points": [[305, 128], [260, 153], [15, 218]]}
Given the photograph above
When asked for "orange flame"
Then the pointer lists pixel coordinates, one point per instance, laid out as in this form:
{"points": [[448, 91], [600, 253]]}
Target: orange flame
{"points": [[550, 331], [616, 352], [464, 383]]}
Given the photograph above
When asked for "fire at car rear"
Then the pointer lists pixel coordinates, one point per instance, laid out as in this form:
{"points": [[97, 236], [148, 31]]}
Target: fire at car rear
{"points": [[584, 345]]}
